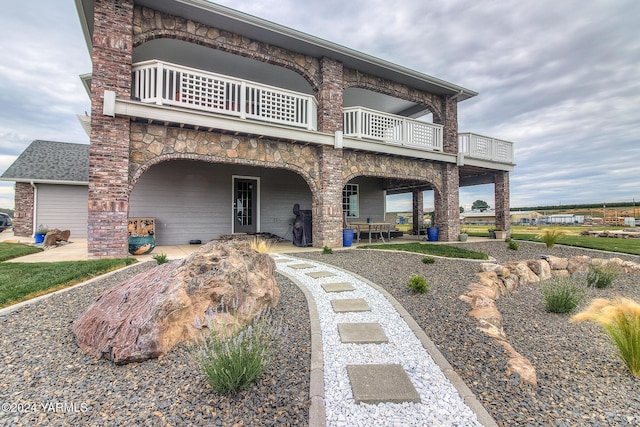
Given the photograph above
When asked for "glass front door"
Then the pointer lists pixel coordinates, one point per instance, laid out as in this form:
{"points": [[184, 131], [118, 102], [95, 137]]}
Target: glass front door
{"points": [[244, 205]]}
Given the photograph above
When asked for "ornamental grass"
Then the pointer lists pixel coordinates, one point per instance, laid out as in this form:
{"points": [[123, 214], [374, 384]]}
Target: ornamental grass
{"points": [[620, 319], [550, 237], [232, 363], [562, 294]]}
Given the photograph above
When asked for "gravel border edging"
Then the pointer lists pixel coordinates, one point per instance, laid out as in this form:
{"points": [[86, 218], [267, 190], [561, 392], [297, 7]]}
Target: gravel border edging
{"points": [[465, 392], [317, 412]]}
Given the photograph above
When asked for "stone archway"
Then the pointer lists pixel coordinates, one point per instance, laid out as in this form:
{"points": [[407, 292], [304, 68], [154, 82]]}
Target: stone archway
{"points": [[150, 25], [152, 144]]}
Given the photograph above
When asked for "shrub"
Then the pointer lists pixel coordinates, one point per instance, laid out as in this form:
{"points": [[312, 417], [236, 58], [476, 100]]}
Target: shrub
{"points": [[418, 284], [550, 237], [327, 250], [562, 294], [621, 321], [601, 276], [428, 260], [261, 245], [511, 244], [231, 363], [161, 259]]}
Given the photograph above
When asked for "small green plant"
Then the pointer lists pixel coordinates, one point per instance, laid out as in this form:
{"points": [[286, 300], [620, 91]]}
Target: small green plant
{"points": [[550, 237], [232, 363], [327, 250], [428, 260], [601, 276], [513, 245], [161, 258], [418, 284], [621, 321], [562, 294]]}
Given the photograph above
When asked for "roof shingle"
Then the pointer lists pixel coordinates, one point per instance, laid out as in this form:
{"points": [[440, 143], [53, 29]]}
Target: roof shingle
{"points": [[50, 161]]}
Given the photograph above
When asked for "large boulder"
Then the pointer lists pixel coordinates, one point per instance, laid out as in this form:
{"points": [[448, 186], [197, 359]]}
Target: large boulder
{"points": [[222, 285]]}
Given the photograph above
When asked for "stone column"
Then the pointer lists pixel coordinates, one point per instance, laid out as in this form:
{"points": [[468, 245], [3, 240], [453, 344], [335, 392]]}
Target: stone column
{"points": [[327, 205], [109, 149], [330, 96], [418, 211], [450, 130], [23, 213], [447, 204], [501, 189]]}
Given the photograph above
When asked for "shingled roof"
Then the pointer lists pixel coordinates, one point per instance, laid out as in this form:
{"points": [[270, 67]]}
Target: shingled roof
{"points": [[49, 161]]}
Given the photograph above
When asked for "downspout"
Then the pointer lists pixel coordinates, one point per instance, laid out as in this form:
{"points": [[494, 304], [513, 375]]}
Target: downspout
{"points": [[35, 207]]}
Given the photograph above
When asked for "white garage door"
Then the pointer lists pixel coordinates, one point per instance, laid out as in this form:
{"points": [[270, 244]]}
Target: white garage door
{"points": [[63, 207]]}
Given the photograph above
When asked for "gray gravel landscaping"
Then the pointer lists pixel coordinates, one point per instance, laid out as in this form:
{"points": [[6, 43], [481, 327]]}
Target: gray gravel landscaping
{"points": [[46, 380], [581, 382]]}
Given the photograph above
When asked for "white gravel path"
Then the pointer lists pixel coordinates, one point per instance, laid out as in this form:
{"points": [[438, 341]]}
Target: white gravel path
{"points": [[441, 403]]}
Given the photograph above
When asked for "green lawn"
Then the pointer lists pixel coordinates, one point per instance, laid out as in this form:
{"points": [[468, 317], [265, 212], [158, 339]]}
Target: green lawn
{"points": [[22, 281], [625, 246], [15, 250], [431, 249]]}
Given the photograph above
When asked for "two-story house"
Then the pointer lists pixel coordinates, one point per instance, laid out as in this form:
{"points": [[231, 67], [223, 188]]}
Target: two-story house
{"points": [[215, 122]]}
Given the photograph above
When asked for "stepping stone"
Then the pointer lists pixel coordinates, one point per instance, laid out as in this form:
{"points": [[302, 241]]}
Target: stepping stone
{"points": [[349, 305], [362, 333], [338, 287], [381, 383], [320, 274], [301, 266]]}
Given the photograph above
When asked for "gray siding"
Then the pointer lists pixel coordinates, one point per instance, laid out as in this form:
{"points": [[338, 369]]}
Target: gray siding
{"points": [[63, 207], [193, 200], [371, 197]]}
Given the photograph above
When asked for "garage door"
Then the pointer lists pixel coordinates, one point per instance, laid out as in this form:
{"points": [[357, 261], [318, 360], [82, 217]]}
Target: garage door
{"points": [[63, 207]]}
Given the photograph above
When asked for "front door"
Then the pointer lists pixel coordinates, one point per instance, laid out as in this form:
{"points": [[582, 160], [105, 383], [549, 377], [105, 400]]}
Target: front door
{"points": [[245, 205]]}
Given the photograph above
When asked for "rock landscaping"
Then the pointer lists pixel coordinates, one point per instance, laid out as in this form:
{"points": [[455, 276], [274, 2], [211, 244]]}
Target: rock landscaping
{"points": [[581, 381], [496, 280], [222, 285]]}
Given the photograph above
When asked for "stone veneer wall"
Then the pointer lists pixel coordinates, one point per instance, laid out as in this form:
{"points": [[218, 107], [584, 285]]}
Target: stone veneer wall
{"points": [[151, 144], [109, 149], [150, 24], [23, 213], [115, 167], [358, 79]]}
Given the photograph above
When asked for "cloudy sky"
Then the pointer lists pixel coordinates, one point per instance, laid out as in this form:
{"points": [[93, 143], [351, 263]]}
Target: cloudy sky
{"points": [[561, 79]]}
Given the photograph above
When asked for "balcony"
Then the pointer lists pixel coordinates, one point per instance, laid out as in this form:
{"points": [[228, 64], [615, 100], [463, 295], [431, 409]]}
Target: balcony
{"points": [[362, 122], [255, 108], [479, 147], [163, 83]]}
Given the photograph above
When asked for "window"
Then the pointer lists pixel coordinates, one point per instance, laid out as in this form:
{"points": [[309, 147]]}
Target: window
{"points": [[350, 205]]}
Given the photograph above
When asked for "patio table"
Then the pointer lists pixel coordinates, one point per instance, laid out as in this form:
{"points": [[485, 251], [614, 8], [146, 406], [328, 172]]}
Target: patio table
{"points": [[375, 227]]}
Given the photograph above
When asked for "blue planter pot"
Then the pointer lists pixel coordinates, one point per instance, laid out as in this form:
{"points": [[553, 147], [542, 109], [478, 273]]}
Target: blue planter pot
{"points": [[432, 234], [347, 237], [39, 238], [141, 245]]}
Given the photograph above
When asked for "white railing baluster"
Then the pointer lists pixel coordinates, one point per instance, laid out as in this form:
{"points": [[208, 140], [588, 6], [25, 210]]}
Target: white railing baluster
{"points": [[481, 147], [391, 129]]}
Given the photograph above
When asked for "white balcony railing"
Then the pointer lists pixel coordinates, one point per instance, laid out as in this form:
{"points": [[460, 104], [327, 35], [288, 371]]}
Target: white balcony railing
{"points": [[362, 122], [163, 83], [485, 148]]}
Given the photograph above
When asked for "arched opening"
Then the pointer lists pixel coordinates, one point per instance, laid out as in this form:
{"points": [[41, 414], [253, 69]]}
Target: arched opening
{"points": [[196, 200], [218, 61]]}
